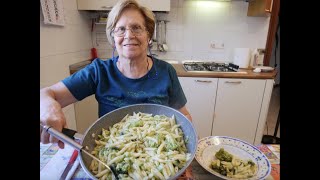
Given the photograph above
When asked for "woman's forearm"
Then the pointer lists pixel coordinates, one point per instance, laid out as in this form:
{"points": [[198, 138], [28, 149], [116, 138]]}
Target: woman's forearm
{"points": [[58, 92], [185, 112]]}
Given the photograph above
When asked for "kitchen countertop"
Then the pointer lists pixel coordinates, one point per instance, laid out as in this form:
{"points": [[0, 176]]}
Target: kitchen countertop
{"points": [[53, 161], [249, 74]]}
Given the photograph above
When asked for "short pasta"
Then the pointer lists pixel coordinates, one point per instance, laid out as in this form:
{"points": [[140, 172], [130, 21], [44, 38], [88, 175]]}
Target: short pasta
{"points": [[233, 167], [141, 146]]}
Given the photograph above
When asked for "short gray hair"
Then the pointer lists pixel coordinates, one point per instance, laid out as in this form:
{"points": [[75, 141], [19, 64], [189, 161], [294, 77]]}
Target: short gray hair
{"points": [[116, 11]]}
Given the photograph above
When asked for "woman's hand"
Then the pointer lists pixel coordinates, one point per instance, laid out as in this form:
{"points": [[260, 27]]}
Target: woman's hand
{"points": [[52, 100], [51, 115]]}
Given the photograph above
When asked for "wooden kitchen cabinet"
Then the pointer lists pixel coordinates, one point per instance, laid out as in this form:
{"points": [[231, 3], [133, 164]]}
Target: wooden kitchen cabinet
{"points": [[104, 5], [237, 108], [260, 8], [201, 94]]}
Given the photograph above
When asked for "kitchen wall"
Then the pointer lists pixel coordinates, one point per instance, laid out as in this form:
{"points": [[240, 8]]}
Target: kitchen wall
{"points": [[194, 25], [61, 46]]}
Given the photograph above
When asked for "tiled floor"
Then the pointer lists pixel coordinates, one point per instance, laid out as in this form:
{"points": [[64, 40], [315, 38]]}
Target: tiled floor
{"points": [[273, 113]]}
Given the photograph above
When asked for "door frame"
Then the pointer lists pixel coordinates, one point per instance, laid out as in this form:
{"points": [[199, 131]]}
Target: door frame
{"points": [[273, 23]]}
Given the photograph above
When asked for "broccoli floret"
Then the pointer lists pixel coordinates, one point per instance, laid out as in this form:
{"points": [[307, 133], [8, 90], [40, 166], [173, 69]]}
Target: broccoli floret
{"points": [[223, 155], [215, 165], [122, 167], [114, 148], [187, 139], [152, 143], [136, 124], [159, 137], [251, 163], [171, 143]]}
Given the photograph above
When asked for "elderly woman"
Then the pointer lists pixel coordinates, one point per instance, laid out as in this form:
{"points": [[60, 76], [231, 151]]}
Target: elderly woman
{"points": [[130, 78]]}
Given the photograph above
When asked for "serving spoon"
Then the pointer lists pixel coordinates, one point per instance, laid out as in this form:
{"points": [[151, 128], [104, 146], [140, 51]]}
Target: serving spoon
{"points": [[64, 138]]}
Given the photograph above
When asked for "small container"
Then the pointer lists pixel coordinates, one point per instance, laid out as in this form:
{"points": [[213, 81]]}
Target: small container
{"points": [[260, 60], [254, 58], [260, 57]]}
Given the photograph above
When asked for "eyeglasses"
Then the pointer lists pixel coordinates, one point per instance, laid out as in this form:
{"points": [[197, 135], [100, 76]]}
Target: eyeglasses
{"points": [[135, 30]]}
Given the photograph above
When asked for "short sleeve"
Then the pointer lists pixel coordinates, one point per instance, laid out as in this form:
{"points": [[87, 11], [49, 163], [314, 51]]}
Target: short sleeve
{"points": [[82, 83], [177, 97]]}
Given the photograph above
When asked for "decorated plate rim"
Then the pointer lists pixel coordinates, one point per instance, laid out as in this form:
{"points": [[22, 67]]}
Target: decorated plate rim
{"points": [[202, 143]]}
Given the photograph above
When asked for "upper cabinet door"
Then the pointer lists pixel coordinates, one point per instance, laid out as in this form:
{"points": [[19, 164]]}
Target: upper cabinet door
{"points": [[104, 5], [260, 8], [96, 4], [156, 5]]}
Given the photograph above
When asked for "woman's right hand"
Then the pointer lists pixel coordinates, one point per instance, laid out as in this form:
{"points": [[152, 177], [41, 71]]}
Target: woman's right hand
{"points": [[51, 115], [52, 100]]}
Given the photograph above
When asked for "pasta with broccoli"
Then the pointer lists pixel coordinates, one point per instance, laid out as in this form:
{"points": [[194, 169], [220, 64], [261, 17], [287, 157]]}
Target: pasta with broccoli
{"points": [[141, 146], [229, 165]]}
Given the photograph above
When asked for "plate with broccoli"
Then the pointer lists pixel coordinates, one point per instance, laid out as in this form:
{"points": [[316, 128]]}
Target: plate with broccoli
{"points": [[231, 158]]}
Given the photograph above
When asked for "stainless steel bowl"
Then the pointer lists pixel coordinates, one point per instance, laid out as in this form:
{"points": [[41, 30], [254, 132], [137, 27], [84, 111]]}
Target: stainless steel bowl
{"points": [[116, 116]]}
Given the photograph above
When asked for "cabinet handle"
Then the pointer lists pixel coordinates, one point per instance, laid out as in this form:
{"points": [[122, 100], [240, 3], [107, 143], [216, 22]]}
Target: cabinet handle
{"points": [[202, 81], [106, 7], [233, 82]]}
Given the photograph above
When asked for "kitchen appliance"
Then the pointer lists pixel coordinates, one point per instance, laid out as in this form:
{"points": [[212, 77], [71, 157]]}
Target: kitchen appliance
{"points": [[116, 116], [242, 57], [211, 67]]}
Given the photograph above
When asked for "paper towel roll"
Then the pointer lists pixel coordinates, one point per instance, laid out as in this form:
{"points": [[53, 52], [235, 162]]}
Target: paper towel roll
{"points": [[242, 57]]}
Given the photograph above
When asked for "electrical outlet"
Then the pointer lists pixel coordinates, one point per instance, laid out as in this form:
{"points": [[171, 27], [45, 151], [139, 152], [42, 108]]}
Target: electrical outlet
{"points": [[216, 45]]}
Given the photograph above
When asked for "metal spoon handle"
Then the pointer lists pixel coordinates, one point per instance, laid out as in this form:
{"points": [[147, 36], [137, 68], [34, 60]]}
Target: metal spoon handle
{"points": [[62, 137]]}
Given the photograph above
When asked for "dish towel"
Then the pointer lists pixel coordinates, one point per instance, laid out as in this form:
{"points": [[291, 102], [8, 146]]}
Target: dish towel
{"points": [[52, 11]]}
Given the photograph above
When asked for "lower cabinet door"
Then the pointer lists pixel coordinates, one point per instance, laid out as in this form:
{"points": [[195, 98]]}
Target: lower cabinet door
{"points": [[200, 93], [237, 109]]}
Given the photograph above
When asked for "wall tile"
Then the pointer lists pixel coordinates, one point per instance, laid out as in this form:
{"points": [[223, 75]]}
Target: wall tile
{"points": [[76, 17], [187, 3], [174, 4], [70, 5], [194, 25], [181, 3], [62, 46], [173, 16], [180, 40], [171, 39]]}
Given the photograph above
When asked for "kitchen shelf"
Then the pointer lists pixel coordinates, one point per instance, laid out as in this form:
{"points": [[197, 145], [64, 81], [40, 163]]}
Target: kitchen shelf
{"points": [[100, 23]]}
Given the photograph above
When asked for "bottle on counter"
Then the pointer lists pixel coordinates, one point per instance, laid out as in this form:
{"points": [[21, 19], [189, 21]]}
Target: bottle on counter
{"points": [[254, 58]]}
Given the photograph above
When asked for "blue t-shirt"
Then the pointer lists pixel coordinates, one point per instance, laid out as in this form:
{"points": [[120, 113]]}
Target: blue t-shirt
{"points": [[113, 90]]}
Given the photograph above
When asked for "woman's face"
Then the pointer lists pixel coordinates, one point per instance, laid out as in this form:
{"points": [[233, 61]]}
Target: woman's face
{"points": [[130, 44]]}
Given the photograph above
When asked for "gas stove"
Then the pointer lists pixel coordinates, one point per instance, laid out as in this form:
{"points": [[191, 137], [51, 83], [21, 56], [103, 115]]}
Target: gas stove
{"points": [[210, 66]]}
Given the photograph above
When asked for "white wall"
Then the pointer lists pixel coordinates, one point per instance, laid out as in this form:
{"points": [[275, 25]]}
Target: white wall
{"points": [[195, 24], [62, 46]]}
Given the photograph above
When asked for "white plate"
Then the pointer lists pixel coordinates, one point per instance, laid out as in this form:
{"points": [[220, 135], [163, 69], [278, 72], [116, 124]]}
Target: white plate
{"points": [[208, 146], [265, 68]]}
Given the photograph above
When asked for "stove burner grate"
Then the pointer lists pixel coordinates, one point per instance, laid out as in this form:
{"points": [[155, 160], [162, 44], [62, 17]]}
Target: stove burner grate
{"points": [[210, 66]]}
